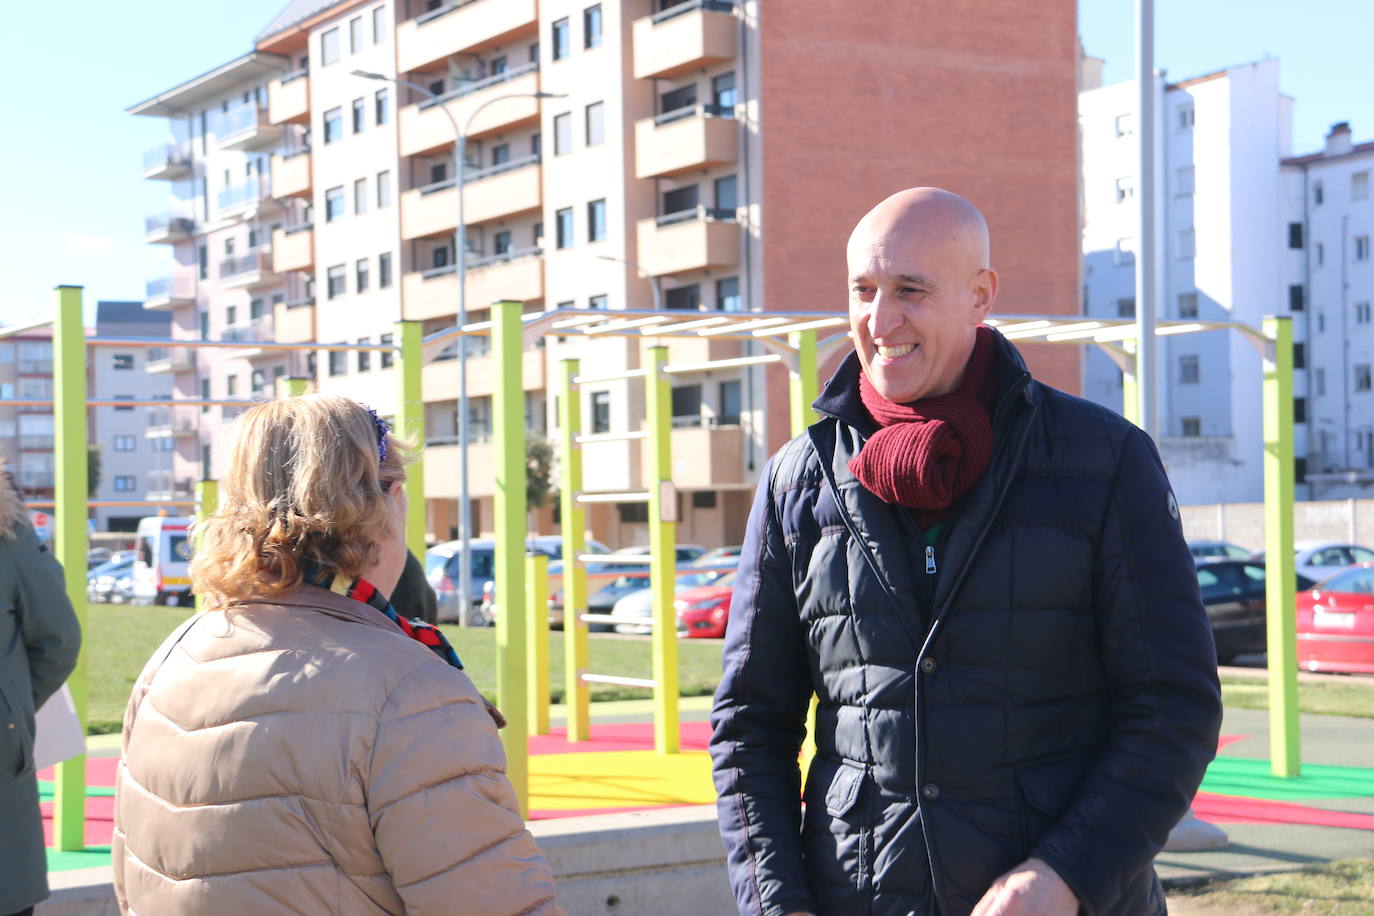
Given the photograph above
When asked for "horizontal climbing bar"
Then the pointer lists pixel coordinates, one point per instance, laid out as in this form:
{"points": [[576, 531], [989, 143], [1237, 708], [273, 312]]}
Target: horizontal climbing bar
{"points": [[686, 368], [611, 437], [150, 402], [610, 377], [630, 496], [194, 344], [620, 681], [115, 503], [635, 559]]}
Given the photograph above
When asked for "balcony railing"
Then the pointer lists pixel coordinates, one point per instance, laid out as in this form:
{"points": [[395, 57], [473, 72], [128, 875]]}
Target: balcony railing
{"points": [[36, 443], [467, 88], [441, 11], [257, 260], [169, 288], [35, 367], [504, 257], [471, 175], [695, 213], [250, 192], [703, 109], [172, 225], [295, 75], [166, 155], [251, 331], [677, 9], [236, 120]]}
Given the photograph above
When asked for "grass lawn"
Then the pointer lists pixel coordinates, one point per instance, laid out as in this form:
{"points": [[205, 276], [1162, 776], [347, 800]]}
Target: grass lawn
{"points": [[1333, 888], [1354, 697], [120, 639]]}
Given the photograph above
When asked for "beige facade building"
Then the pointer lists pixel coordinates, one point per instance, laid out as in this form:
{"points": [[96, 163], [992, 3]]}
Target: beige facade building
{"points": [[707, 154]]}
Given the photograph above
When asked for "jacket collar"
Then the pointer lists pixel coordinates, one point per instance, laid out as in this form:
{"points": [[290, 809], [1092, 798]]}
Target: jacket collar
{"points": [[314, 598]]}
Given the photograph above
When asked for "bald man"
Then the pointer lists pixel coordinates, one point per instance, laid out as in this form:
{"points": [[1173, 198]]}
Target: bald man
{"points": [[984, 582]]}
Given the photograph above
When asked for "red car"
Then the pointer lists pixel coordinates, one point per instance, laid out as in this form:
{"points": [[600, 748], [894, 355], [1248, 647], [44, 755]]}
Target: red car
{"points": [[1336, 623], [703, 611]]}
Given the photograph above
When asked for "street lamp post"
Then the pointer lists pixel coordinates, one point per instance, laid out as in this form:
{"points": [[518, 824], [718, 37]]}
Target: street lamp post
{"points": [[460, 135], [653, 280]]}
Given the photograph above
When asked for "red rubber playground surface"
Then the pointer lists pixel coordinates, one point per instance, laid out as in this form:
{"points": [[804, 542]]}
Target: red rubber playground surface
{"points": [[618, 771]]}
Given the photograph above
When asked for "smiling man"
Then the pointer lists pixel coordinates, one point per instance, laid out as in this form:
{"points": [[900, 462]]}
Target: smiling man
{"points": [[985, 583]]}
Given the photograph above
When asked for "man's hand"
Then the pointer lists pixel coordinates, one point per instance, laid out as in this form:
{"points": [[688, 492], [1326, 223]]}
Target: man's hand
{"points": [[1030, 889]]}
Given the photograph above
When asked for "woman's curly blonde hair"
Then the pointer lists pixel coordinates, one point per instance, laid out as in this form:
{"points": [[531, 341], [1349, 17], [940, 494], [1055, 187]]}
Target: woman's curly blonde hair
{"points": [[302, 483]]}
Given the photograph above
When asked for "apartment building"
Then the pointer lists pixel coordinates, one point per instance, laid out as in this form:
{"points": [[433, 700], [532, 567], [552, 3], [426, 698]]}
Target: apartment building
{"points": [[136, 442], [705, 154], [26, 431], [1240, 238]]}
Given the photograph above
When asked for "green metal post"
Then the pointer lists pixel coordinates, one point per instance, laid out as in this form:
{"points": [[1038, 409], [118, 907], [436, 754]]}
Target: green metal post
{"points": [[804, 382], [293, 386], [537, 651], [663, 551], [207, 503], [576, 697], [1285, 758], [71, 540], [410, 425], [508, 423], [1130, 396]]}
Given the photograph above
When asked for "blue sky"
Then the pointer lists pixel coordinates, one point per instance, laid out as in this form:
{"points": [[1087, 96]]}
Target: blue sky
{"points": [[75, 204]]}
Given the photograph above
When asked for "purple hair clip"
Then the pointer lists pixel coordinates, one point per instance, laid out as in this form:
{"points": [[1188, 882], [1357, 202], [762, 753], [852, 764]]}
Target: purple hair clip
{"points": [[382, 429]]}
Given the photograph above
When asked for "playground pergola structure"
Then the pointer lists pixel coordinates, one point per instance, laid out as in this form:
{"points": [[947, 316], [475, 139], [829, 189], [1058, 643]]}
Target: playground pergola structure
{"points": [[798, 341]]}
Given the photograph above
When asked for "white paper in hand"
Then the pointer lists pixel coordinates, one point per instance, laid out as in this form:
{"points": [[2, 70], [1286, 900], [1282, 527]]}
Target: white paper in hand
{"points": [[57, 731]]}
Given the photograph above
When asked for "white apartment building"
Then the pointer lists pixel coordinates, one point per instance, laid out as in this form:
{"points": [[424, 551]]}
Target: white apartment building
{"points": [[26, 431], [136, 443]]}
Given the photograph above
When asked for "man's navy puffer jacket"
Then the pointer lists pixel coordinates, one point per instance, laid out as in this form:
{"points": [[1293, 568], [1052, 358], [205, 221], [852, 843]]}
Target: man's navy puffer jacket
{"points": [[1048, 690]]}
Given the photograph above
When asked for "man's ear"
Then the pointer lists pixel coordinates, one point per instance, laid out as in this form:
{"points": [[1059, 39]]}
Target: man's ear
{"points": [[984, 293]]}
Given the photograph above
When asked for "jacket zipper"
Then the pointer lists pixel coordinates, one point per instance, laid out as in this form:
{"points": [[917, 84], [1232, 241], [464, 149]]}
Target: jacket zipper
{"points": [[930, 560]]}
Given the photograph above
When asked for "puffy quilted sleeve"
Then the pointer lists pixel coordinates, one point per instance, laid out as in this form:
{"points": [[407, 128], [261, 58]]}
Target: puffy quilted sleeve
{"points": [[444, 815], [759, 723], [1157, 651], [51, 634]]}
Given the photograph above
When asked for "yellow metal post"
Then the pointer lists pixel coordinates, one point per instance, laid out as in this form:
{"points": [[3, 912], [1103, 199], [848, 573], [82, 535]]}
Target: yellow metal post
{"points": [[71, 540], [207, 504], [508, 423], [663, 551], [1130, 395], [537, 653], [803, 385], [1285, 757], [410, 425], [292, 386], [573, 517]]}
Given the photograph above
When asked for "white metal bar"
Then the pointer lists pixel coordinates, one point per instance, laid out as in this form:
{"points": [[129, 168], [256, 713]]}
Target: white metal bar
{"points": [[233, 344], [632, 496], [621, 324], [687, 368], [610, 377], [578, 321], [16, 329], [189, 402], [830, 322], [621, 681], [116, 503], [743, 326], [611, 437], [689, 325], [626, 558]]}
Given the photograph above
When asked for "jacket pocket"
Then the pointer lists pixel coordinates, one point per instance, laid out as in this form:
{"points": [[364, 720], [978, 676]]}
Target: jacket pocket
{"points": [[837, 835], [843, 793], [1047, 788]]}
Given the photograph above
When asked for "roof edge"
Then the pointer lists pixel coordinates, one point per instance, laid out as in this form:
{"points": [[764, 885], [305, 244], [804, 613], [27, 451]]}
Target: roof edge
{"points": [[164, 103]]}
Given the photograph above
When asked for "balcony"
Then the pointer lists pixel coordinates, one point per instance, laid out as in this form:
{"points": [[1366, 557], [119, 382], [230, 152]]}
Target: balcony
{"points": [[696, 239], [440, 378], [168, 421], [248, 271], [515, 276], [697, 137], [685, 37], [249, 333], [424, 128], [288, 99], [169, 293], [294, 322], [458, 27], [441, 468], [167, 162], [492, 193], [166, 229], [245, 127], [170, 359], [165, 488], [292, 174], [293, 248], [714, 457], [243, 201]]}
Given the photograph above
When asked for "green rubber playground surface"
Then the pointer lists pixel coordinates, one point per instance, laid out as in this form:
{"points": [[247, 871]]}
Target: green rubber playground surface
{"points": [[1253, 779]]}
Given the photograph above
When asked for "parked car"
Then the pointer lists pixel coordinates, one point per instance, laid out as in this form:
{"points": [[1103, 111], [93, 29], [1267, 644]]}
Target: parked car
{"points": [[1336, 623], [637, 608], [1233, 594], [686, 553], [1207, 551], [1318, 560], [442, 568], [720, 555], [102, 582], [704, 611]]}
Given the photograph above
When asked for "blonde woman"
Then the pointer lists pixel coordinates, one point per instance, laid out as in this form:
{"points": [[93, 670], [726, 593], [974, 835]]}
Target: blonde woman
{"points": [[299, 747]]}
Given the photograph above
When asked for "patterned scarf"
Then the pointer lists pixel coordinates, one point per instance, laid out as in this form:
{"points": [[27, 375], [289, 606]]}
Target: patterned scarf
{"points": [[928, 453]]}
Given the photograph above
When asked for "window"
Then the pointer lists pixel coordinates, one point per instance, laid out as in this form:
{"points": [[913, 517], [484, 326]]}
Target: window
{"points": [[1125, 308], [1362, 378], [596, 124], [632, 513], [1185, 179], [1187, 305], [1187, 244], [730, 403], [1359, 186], [438, 172], [1125, 188], [1188, 370], [1125, 125], [591, 27], [1321, 322], [124, 483], [1321, 254], [439, 257], [205, 394], [335, 282], [359, 115], [724, 95], [594, 302], [386, 356], [1300, 355], [360, 196], [562, 134], [231, 386], [338, 362], [1318, 195], [1295, 297], [537, 235], [384, 189], [257, 382], [500, 154], [1295, 235], [727, 295], [364, 356], [355, 34], [536, 144], [727, 197], [360, 275], [125, 443], [254, 309], [1186, 117], [601, 411], [596, 221], [683, 297], [384, 270], [680, 200], [1125, 252], [231, 315], [1362, 248], [1362, 313], [1320, 381], [333, 204], [203, 262], [379, 25], [329, 47], [381, 107], [123, 361], [704, 499], [1192, 426], [564, 228], [333, 125], [677, 99], [686, 401], [561, 48], [437, 87]]}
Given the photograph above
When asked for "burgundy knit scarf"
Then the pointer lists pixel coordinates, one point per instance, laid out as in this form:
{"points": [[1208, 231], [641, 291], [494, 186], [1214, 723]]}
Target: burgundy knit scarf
{"points": [[929, 452]]}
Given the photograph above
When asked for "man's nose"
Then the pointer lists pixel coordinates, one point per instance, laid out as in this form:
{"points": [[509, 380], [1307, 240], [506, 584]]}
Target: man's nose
{"points": [[885, 315]]}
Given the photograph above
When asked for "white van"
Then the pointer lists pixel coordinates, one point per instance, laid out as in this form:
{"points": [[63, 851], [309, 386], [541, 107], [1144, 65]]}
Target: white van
{"points": [[162, 554]]}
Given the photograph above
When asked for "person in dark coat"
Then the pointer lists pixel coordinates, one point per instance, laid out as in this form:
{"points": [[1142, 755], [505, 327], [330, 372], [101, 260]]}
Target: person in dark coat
{"points": [[414, 596], [984, 581], [39, 642]]}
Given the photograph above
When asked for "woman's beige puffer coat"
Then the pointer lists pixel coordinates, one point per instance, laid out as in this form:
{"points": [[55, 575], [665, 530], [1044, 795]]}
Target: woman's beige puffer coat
{"points": [[306, 756]]}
